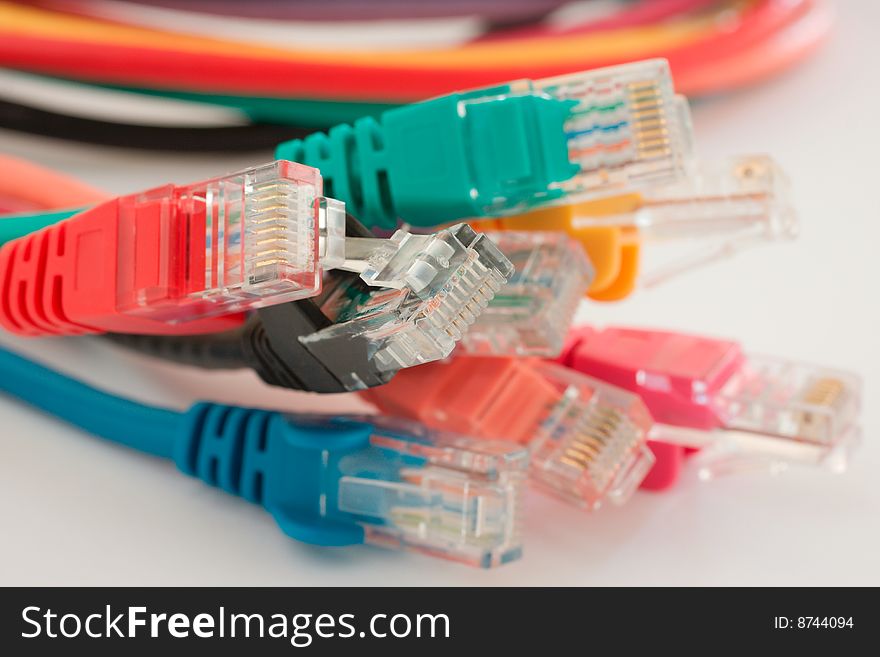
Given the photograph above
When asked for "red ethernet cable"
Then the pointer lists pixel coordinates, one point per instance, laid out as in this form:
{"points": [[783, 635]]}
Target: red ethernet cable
{"points": [[172, 260], [64, 280]]}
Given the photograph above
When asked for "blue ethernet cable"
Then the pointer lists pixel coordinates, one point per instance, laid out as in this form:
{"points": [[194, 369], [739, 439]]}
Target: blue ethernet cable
{"points": [[327, 480]]}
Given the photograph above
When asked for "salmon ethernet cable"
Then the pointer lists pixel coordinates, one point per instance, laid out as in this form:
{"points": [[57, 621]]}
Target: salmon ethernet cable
{"points": [[681, 393], [587, 439]]}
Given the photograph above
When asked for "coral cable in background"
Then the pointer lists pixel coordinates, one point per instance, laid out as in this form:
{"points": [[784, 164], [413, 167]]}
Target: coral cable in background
{"points": [[548, 49], [345, 32], [107, 53], [245, 138], [33, 187], [797, 40], [31, 195], [86, 49]]}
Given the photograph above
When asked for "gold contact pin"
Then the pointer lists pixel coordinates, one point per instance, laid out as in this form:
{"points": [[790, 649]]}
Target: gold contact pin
{"points": [[269, 262], [271, 219], [583, 457], [643, 134], [654, 123], [270, 240], [646, 115], [826, 391], [643, 85], [269, 198], [588, 442], [268, 186], [647, 105], [577, 463], [652, 150]]}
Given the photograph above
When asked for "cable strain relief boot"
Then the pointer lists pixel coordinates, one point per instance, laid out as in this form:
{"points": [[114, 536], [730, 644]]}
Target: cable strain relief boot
{"points": [[352, 161], [265, 458], [470, 155], [222, 446], [220, 352], [265, 360], [429, 163], [33, 274], [272, 348]]}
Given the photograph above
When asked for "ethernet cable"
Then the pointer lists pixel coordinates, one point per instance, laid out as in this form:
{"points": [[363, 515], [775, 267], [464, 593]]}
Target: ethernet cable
{"points": [[723, 209], [504, 149], [45, 98], [530, 315], [772, 54], [173, 259], [670, 395], [177, 260], [260, 135], [770, 37], [32, 197], [717, 210], [587, 439], [363, 336], [371, 324], [15, 226], [327, 480], [742, 410], [787, 45], [83, 49], [34, 187], [349, 337], [502, 58], [720, 209]]}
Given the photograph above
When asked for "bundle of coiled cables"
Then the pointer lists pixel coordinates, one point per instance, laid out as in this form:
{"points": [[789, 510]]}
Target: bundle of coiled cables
{"points": [[252, 74]]}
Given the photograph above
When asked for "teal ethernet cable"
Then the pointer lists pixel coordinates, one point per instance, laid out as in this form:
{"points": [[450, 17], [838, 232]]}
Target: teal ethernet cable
{"points": [[327, 480], [505, 149], [497, 151]]}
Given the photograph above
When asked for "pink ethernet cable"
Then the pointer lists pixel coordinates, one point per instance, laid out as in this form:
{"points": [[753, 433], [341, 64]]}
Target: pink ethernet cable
{"points": [[705, 392]]}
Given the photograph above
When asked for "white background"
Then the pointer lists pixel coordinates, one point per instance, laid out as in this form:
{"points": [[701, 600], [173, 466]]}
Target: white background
{"points": [[74, 510]]}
